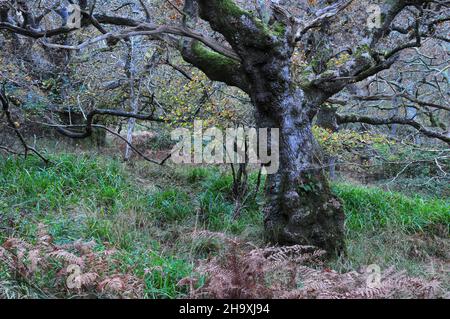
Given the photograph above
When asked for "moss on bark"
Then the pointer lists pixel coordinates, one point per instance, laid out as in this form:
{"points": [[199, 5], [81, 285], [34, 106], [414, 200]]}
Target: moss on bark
{"points": [[229, 7], [215, 61]]}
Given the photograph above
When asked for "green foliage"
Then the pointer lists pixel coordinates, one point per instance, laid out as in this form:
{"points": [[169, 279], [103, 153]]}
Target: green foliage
{"points": [[217, 206], [161, 273], [62, 183], [184, 98], [197, 174], [83, 197], [338, 143], [217, 213], [279, 28], [219, 183]]}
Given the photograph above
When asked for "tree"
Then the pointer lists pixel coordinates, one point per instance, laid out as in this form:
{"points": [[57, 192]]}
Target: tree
{"points": [[254, 53]]}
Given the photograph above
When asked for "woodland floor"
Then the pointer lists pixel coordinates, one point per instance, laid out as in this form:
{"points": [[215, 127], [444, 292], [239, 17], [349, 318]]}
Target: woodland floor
{"points": [[140, 229]]}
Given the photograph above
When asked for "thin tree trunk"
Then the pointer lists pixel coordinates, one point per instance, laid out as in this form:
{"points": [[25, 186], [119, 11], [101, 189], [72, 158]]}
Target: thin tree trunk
{"points": [[134, 103]]}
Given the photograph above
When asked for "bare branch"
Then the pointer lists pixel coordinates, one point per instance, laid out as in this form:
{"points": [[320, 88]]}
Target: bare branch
{"points": [[5, 105], [353, 118], [321, 16]]}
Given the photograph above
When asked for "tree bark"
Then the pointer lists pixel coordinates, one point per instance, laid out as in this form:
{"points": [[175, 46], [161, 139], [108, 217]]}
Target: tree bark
{"points": [[300, 207]]}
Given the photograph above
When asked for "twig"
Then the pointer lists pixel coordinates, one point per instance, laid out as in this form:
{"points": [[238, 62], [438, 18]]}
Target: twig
{"points": [[176, 8], [14, 126]]}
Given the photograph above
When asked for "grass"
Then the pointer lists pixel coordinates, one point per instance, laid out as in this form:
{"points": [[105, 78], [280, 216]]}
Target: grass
{"points": [[30, 185], [99, 199], [372, 209], [170, 205], [86, 197], [390, 228]]}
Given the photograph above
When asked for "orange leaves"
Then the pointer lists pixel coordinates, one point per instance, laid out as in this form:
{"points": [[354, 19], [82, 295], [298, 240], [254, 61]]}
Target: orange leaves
{"points": [[175, 5]]}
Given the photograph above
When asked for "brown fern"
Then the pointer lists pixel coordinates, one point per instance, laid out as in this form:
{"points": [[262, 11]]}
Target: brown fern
{"points": [[286, 272]]}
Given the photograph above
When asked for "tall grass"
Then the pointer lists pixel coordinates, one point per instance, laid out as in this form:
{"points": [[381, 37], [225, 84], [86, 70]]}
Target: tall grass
{"points": [[373, 209], [29, 184]]}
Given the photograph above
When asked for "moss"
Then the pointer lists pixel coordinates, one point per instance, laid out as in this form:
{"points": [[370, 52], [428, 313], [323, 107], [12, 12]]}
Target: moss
{"points": [[279, 29], [362, 49], [304, 77], [338, 61], [204, 53], [216, 61], [232, 21], [310, 184], [229, 7]]}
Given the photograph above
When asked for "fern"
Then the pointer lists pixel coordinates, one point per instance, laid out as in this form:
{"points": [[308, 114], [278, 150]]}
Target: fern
{"points": [[286, 272], [26, 260]]}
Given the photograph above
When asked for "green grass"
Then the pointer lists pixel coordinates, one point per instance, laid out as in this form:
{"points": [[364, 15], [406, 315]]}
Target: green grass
{"points": [[373, 209], [89, 198], [28, 184], [171, 205], [393, 229], [217, 204]]}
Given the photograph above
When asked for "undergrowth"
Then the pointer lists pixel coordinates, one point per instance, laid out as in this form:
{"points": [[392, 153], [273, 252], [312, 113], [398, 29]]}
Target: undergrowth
{"points": [[147, 215]]}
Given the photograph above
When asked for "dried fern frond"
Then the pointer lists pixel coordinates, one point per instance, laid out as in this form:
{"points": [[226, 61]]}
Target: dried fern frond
{"points": [[26, 260], [16, 243], [87, 279], [67, 257], [35, 258], [297, 254], [259, 274], [125, 286], [44, 238], [84, 248], [114, 284]]}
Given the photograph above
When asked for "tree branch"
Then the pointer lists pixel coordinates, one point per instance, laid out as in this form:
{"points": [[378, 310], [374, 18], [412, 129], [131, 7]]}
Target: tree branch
{"points": [[90, 118], [353, 118], [5, 105]]}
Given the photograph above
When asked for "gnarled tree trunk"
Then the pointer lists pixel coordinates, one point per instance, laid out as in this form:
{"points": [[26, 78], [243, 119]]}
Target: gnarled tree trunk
{"points": [[300, 207]]}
